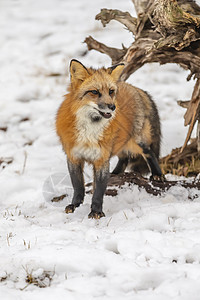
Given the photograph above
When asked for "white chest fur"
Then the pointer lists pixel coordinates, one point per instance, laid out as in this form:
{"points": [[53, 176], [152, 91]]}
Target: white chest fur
{"points": [[87, 130], [88, 134], [87, 152]]}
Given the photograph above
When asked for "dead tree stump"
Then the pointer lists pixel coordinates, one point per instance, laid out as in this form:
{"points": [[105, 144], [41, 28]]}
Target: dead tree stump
{"points": [[165, 31]]}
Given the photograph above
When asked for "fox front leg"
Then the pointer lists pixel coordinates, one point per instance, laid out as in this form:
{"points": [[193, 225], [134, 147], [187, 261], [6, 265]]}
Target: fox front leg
{"points": [[101, 177], [76, 175]]}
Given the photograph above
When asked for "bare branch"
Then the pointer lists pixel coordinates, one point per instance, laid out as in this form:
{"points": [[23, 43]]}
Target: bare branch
{"points": [[143, 51], [183, 104], [193, 121], [198, 136], [115, 54], [192, 112], [106, 15], [194, 103]]}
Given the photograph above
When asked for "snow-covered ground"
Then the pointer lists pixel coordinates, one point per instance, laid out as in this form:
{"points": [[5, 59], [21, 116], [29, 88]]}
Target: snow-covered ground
{"points": [[146, 247]]}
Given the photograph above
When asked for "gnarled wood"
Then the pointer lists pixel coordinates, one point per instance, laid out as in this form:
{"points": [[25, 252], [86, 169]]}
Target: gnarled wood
{"points": [[115, 54], [166, 31], [106, 15]]}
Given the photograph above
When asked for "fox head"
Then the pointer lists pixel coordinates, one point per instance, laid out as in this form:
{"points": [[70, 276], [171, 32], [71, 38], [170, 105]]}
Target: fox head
{"points": [[95, 90]]}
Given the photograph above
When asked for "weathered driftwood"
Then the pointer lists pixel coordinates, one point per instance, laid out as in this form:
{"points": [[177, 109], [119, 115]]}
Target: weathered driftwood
{"points": [[165, 31]]}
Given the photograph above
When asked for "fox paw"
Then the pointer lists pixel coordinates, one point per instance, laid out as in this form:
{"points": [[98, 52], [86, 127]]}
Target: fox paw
{"points": [[158, 178], [96, 215], [70, 208]]}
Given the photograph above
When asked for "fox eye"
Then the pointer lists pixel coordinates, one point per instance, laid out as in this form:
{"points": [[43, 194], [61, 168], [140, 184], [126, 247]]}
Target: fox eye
{"points": [[111, 92], [94, 92]]}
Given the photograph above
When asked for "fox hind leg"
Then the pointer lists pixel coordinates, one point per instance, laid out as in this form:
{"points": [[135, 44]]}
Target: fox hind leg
{"points": [[121, 165], [152, 162]]}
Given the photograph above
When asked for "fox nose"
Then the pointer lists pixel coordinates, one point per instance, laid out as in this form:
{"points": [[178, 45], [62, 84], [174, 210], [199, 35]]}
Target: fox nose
{"points": [[111, 106]]}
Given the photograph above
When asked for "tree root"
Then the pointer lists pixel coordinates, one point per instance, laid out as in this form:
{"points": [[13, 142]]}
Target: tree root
{"points": [[152, 187]]}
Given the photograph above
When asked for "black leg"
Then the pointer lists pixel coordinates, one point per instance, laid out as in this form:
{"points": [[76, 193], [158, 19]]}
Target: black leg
{"points": [[152, 162], [76, 174], [121, 165], [100, 179]]}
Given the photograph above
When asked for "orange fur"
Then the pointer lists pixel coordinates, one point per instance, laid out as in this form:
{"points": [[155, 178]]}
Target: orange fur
{"points": [[102, 117], [123, 132]]}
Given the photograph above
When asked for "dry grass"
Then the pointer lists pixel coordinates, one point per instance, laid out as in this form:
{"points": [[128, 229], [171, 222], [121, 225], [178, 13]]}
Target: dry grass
{"points": [[42, 280], [186, 163]]}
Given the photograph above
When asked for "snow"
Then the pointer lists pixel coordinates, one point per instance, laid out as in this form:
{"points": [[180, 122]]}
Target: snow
{"points": [[146, 246]]}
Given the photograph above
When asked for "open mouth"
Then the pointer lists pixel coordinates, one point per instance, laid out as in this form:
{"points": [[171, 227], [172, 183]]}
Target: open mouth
{"points": [[106, 115]]}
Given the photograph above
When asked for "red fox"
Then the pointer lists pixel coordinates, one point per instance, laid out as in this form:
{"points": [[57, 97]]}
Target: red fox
{"points": [[102, 117]]}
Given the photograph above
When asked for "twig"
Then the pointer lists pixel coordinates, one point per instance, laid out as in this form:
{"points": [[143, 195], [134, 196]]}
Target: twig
{"points": [[25, 160]]}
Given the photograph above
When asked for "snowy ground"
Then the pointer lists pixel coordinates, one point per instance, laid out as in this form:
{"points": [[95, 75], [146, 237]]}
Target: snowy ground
{"points": [[147, 247]]}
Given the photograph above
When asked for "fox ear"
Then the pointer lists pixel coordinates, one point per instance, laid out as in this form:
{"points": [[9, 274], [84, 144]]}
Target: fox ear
{"points": [[78, 71], [115, 71]]}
